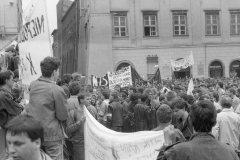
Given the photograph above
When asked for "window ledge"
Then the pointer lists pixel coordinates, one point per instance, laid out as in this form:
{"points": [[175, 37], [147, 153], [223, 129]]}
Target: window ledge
{"points": [[217, 35], [181, 36], [151, 37], [121, 38], [235, 35]]}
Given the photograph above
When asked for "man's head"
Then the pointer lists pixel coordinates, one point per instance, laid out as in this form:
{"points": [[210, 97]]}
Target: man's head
{"points": [[6, 79], [179, 107], [226, 102], [164, 114], [114, 96], [74, 88], [82, 99], [171, 95], [231, 92], [24, 137], [203, 116], [66, 79], [220, 85], [76, 76], [50, 68]]}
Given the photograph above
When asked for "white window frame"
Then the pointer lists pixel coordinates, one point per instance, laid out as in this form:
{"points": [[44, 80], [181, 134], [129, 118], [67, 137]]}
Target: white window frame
{"points": [[151, 26], [236, 24], [178, 14], [120, 15], [212, 25]]}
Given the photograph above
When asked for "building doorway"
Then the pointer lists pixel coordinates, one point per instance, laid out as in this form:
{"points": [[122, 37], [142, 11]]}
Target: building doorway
{"points": [[235, 68], [216, 69]]}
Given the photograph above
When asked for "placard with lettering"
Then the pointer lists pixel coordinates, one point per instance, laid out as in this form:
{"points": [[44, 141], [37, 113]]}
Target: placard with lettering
{"points": [[121, 77]]}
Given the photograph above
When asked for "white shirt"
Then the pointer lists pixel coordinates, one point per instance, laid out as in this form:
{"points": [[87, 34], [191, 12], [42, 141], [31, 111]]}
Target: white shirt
{"points": [[227, 128]]}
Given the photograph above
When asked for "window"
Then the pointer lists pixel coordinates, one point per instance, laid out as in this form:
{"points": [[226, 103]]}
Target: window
{"points": [[120, 24], [212, 23], [235, 22], [150, 24], [180, 23]]}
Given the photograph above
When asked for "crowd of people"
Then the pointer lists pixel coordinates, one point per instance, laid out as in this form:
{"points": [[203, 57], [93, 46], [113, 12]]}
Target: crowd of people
{"points": [[203, 125]]}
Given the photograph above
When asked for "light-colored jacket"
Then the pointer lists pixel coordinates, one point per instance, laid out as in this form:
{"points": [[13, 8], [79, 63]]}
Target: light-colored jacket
{"points": [[48, 104]]}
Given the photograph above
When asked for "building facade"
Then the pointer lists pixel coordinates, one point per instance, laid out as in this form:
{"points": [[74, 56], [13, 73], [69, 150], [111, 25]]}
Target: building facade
{"points": [[147, 34], [10, 21]]}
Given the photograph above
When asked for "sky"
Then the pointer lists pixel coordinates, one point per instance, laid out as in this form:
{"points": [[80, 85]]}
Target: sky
{"points": [[51, 11]]}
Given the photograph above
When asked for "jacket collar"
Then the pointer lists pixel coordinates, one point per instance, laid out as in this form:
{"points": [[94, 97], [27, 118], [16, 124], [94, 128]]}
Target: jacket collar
{"points": [[45, 80], [227, 109], [201, 134]]}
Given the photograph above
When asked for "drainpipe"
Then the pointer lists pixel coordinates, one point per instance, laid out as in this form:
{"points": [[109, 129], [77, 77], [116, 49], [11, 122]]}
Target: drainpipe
{"points": [[205, 53]]}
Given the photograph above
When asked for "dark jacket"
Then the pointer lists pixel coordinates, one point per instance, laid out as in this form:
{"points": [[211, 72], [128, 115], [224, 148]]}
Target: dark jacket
{"points": [[116, 108], [140, 116], [202, 146], [8, 107]]}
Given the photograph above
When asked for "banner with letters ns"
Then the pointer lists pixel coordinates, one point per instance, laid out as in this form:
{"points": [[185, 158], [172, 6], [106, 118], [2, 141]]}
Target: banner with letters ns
{"points": [[102, 143], [99, 81], [121, 77], [34, 43]]}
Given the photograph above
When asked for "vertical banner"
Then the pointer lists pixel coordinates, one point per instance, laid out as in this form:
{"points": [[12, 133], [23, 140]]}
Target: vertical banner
{"points": [[102, 143], [121, 77], [35, 41]]}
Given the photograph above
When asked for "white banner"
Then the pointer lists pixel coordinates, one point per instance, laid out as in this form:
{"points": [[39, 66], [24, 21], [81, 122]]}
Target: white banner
{"points": [[121, 77], [35, 41], [102, 143], [182, 63]]}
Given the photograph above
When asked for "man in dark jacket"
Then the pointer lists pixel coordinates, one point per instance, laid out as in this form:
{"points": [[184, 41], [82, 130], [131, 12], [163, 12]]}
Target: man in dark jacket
{"points": [[116, 108], [8, 107], [202, 145]]}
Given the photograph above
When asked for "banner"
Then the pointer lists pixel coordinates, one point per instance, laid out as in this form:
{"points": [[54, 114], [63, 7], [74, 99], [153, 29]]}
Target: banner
{"points": [[35, 41], [99, 81], [121, 77], [102, 143], [156, 79], [137, 80], [182, 63], [190, 87]]}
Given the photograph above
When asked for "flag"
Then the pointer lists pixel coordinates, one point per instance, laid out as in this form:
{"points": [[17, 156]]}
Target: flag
{"points": [[157, 77], [137, 79], [190, 87]]}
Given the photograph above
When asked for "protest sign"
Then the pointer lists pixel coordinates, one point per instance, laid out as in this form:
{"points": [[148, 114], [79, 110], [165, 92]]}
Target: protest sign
{"points": [[102, 143], [182, 63], [190, 87], [35, 41], [99, 81], [121, 77]]}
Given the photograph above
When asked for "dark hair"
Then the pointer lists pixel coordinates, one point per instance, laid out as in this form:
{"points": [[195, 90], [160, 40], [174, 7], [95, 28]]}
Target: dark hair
{"points": [[80, 96], [16, 74], [171, 95], [164, 114], [133, 97], [216, 96], [124, 94], [179, 104], [114, 94], [25, 124], [74, 88], [66, 78], [105, 94], [220, 84], [226, 102], [144, 97], [184, 96], [66, 90], [231, 90], [48, 65], [6, 75], [203, 116]]}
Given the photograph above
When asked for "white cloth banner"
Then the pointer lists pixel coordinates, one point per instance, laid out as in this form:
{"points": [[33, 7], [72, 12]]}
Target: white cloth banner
{"points": [[182, 63], [121, 77], [102, 143], [35, 42], [190, 87]]}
